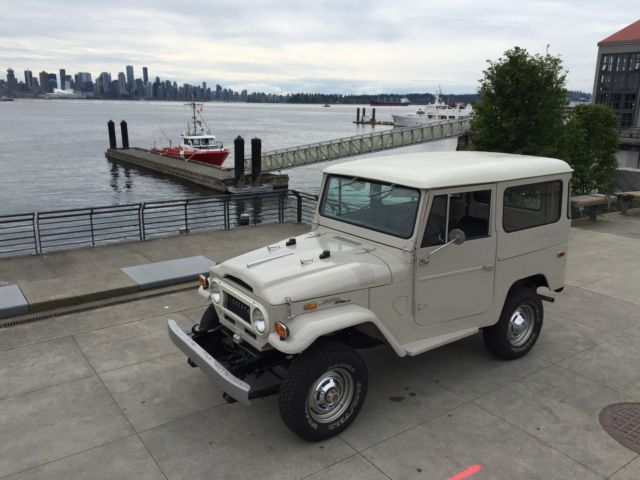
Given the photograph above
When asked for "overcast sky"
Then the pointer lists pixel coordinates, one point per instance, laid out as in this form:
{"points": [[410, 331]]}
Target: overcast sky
{"points": [[346, 46]]}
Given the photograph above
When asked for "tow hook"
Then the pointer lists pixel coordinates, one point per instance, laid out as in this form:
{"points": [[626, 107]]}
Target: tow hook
{"points": [[547, 298]]}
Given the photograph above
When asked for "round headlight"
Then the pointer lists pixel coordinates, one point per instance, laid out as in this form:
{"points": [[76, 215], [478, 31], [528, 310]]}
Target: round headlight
{"points": [[216, 292], [258, 320]]}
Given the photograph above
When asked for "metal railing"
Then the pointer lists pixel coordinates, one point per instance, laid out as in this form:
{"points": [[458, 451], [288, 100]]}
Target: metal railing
{"points": [[42, 232], [362, 144]]}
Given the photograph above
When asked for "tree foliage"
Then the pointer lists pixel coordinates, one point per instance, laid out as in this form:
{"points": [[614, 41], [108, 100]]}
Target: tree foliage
{"points": [[589, 144], [522, 103]]}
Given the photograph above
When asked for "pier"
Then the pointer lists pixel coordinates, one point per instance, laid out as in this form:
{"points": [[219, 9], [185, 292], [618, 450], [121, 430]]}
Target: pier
{"points": [[215, 178], [363, 144]]}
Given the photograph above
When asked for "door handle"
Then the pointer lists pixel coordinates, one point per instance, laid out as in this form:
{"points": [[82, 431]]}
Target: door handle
{"points": [[488, 268]]}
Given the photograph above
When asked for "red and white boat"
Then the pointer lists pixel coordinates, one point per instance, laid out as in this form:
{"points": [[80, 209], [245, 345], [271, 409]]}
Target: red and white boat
{"points": [[198, 143]]}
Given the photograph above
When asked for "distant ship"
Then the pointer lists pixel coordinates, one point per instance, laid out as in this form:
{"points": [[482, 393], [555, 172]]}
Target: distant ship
{"points": [[431, 113], [404, 102], [198, 144], [6, 99]]}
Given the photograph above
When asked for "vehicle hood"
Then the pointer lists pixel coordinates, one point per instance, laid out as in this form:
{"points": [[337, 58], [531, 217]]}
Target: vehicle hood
{"points": [[296, 271]]}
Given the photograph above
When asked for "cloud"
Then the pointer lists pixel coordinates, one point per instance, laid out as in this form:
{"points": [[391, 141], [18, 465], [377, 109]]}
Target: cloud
{"points": [[351, 46]]}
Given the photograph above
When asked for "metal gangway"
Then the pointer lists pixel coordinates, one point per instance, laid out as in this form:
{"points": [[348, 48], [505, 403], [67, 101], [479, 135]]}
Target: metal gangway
{"points": [[363, 144]]}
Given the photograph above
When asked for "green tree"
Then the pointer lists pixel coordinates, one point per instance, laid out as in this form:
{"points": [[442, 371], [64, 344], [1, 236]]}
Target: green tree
{"points": [[589, 143], [522, 104]]}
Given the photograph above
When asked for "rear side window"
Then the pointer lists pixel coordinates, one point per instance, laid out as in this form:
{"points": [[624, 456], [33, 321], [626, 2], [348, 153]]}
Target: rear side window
{"points": [[532, 205]]}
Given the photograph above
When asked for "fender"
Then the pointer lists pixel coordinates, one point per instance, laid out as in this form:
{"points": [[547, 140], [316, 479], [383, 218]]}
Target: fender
{"points": [[307, 328]]}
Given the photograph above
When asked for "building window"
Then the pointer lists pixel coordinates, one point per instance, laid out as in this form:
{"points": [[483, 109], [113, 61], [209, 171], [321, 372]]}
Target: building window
{"points": [[626, 120]]}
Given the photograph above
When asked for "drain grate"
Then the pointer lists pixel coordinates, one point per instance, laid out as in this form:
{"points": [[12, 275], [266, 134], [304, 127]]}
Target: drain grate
{"points": [[89, 307], [622, 422]]}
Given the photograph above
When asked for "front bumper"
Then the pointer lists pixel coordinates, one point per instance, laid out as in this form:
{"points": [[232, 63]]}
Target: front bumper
{"points": [[230, 384]]}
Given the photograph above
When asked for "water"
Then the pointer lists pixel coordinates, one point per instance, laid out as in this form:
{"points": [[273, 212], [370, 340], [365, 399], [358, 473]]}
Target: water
{"points": [[52, 151]]}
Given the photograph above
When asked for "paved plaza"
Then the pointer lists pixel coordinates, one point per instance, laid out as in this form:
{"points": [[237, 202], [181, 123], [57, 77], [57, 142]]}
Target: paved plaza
{"points": [[104, 395]]}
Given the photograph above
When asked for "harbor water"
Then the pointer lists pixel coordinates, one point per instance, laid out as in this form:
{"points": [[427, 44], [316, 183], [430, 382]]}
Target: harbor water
{"points": [[52, 154]]}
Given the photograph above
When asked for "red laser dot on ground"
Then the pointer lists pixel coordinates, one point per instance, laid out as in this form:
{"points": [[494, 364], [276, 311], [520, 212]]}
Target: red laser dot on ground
{"points": [[473, 469]]}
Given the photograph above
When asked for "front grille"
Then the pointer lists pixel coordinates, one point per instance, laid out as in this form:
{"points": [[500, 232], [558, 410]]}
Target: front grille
{"points": [[239, 308]]}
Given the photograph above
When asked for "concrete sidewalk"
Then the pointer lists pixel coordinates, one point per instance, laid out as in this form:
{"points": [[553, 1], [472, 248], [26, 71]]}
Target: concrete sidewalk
{"points": [[71, 277], [104, 394]]}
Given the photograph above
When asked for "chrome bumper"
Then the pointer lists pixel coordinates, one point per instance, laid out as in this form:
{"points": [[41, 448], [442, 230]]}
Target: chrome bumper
{"points": [[229, 384]]}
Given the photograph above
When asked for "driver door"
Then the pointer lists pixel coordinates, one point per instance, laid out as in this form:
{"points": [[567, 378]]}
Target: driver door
{"points": [[457, 281]]}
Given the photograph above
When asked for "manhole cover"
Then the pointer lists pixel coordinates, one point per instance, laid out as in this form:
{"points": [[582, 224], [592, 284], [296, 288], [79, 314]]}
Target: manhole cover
{"points": [[622, 422]]}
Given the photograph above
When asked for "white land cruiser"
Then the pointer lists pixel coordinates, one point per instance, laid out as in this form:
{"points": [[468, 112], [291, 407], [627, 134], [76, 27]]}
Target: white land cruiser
{"points": [[414, 251]]}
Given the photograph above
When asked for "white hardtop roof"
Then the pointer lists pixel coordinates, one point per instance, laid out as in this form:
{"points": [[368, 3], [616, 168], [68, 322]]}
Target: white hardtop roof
{"points": [[427, 170]]}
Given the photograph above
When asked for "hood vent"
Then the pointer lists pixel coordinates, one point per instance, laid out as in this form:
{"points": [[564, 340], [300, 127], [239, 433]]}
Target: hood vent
{"points": [[366, 276], [237, 281]]}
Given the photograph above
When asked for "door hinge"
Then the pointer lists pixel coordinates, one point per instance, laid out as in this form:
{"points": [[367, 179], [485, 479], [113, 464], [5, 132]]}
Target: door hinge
{"points": [[488, 268]]}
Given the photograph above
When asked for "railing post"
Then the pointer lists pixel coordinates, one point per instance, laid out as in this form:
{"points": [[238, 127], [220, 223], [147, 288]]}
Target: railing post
{"points": [[186, 216], [93, 242], [143, 235], [226, 213], [35, 236], [37, 226]]}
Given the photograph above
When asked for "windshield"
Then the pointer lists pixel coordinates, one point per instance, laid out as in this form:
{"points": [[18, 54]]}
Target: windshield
{"points": [[379, 206]]}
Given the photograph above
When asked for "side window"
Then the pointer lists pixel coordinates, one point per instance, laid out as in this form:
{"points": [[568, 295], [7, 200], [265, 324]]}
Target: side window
{"points": [[467, 211], [435, 233], [532, 205]]}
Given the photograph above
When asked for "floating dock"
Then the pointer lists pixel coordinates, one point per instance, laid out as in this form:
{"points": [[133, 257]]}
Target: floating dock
{"points": [[215, 178]]}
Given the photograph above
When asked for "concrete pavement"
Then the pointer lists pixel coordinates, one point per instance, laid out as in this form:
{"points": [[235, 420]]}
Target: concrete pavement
{"points": [[104, 394]]}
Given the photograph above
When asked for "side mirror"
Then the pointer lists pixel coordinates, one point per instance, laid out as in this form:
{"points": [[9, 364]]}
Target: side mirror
{"points": [[457, 236]]}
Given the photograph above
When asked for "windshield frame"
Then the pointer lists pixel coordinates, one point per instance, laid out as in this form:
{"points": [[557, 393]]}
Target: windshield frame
{"points": [[350, 179]]}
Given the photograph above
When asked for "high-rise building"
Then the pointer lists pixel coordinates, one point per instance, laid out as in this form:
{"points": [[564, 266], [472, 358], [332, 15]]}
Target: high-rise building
{"points": [[130, 79], [12, 82], [617, 82], [53, 82], [63, 79], [103, 84], [44, 81], [145, 75], [28, 79], [122, 84]]}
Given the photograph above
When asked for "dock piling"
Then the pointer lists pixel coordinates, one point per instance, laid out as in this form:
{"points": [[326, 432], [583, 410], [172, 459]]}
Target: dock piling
{"points": [[364, 110], [358, 115], [125, 134], [238, 159], [373, 116], [256, 161], [112, 134]]}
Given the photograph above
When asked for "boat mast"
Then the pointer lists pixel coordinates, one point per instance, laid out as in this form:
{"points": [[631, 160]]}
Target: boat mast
{"points": [[193, 107]]}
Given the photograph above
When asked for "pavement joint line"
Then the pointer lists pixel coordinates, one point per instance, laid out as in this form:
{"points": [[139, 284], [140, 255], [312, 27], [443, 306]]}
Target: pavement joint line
{"points": [[630, 399], [623, 467], [39, 389], [113, 399], [374, 465], [540, 440], [581, 287], [67, 456]]}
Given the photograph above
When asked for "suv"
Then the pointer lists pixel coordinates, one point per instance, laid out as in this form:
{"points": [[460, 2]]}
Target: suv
{"points": [[414, 251]]}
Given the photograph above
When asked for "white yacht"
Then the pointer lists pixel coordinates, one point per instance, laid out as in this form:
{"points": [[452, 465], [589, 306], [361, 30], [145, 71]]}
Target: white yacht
{"points": [[431, 113]]}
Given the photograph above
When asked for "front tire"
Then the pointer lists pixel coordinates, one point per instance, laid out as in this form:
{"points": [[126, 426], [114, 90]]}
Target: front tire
{"points": [[519, 326], [323, 391]]}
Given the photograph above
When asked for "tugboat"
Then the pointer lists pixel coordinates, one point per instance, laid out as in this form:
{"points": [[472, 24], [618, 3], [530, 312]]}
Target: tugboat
{"points": [[198, 143]]}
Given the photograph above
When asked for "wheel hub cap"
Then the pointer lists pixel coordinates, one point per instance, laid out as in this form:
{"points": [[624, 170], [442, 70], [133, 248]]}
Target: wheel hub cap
{"points": [[331, 395], [520, 325]]}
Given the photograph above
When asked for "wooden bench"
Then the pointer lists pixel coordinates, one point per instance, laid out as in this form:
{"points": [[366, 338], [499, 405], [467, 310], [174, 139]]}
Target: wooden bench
{"points": [[592, 202], [625, 199]]}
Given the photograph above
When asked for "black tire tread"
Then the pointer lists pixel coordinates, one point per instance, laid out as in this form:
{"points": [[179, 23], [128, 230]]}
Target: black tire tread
{"points": [[297, 376], [494, 336], [209, 319]]}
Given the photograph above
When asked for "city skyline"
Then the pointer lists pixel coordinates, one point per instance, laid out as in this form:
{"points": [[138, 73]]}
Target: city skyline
{"points": [[345, 46]]}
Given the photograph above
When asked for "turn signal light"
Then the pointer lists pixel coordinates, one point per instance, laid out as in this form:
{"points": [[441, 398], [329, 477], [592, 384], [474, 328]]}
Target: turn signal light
{"points": [[310, 306], [203, 281], [282, 330]]}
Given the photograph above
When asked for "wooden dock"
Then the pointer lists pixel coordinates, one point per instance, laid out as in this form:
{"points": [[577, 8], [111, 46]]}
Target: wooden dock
{"points": [[215, 178]]}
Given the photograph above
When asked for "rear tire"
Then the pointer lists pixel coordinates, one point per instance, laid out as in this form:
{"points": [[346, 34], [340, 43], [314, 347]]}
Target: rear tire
{"points": [[519, 325], [323, 391], [209, 320]]}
